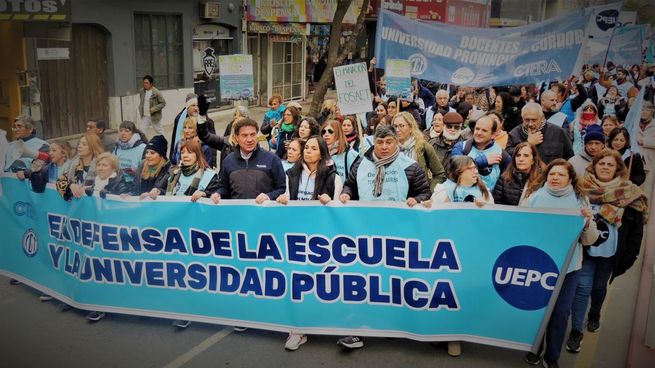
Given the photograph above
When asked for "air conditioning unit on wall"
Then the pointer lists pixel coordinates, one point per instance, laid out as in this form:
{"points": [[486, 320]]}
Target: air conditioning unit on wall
{"points": [[210, 10]]}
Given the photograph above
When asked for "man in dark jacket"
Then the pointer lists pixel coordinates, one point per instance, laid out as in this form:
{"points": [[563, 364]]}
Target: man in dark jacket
{"points": [[451, 135], [250, 172], [551, 141]]}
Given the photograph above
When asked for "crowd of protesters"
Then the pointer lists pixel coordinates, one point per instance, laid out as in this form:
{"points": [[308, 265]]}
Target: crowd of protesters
{"points": [[554, 145]]}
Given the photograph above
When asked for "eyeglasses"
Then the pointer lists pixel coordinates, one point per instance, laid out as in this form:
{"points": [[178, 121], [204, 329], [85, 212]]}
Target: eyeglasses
{"points": [[18, 127], [399, 126], [327, 130], [453, 126]]}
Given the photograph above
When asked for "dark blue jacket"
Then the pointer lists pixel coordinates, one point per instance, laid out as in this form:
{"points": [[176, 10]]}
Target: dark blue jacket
{"points": [[246, 179]]}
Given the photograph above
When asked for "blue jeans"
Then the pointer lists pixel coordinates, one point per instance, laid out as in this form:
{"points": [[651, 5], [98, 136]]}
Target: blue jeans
{"points": [[556, 330], [594, 276]]}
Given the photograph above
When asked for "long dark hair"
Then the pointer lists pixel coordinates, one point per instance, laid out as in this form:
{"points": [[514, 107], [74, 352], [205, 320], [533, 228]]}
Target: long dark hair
{"points": [[322, 169], [535, 170], [457, 165], [616, 131], [507, 104]]}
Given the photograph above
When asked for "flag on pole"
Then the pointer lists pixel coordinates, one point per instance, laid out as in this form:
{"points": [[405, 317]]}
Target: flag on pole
{"points": [[632, 120]]}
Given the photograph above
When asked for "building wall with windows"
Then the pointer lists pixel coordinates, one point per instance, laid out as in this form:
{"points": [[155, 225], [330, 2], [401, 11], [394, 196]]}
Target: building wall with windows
{"points": [[156, 38]]}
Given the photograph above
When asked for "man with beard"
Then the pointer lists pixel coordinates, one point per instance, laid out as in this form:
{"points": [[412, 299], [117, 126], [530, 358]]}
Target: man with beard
{"points": [[622, 82], [451, 135], [550, 108], [551, 141]]}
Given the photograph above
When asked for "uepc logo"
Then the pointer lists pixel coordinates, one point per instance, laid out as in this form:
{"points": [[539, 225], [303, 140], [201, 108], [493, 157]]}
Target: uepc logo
{"points": [[607, 19], [525, 277]]}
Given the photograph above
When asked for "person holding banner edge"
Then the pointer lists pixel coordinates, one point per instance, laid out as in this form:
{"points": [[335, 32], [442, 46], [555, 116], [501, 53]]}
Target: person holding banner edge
{"points": [[558, 187]]}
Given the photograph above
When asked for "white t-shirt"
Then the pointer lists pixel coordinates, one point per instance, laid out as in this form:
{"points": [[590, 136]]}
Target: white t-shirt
{"points": [[146, 102]]}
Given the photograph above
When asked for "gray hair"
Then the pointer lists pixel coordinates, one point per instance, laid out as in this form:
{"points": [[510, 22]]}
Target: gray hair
{"points": [[27, 120], [648, 106], [441, 92], [190, 96], [532, 107], [383, 131], [243, 111]]}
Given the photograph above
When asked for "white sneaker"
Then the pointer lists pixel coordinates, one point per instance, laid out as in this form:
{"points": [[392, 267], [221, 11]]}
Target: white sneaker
{"points": [[45, 297], [181, 323], [294, 341], [239, 328], [95, 316]]}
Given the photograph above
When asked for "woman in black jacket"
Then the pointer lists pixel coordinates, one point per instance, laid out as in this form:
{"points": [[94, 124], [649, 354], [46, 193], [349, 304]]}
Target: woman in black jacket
{"points": [[312, 178], [109, 178], [619, 140], [526, 166], [152, 175]]}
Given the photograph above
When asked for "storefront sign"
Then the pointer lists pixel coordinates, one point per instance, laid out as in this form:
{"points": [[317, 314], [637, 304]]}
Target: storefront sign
{"points": [[299, 11], [236, 80], [210, 32], [353, 93], [399, 79], [36, 10], [58, 53], [466, 13], [297, 29], [432, 10]]}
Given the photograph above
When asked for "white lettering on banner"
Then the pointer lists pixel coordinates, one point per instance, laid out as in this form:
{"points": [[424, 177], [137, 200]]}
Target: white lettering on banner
{"points": [[492, 46], [536, 69], [558, 41], [426, 46], [523, 277]]}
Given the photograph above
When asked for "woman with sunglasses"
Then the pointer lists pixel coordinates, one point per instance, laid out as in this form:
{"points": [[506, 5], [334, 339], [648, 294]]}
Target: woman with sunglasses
{"points": [[413, 145], [586, 116], [343, 156]]}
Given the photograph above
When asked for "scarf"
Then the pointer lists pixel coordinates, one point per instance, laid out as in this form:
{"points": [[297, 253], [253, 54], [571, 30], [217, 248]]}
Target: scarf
{"points": [[379, 167], [409, 148], [130, 143], [334, 148], [434, 134], [351, 137], [614, 196], [186, 171], [287, 128], [562, 192], [585, 122]]}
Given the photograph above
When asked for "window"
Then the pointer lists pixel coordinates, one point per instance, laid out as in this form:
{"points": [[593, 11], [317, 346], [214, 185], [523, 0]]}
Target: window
{"points": [[158, 49]]}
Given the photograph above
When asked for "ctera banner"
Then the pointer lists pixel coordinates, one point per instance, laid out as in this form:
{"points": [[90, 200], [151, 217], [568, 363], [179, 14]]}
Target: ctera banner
{"points": [[477, 57], [449, 273]]}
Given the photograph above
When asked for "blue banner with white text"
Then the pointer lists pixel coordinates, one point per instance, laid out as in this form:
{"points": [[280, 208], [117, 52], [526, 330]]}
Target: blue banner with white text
{"points": [[477, 57], [487, 275]]}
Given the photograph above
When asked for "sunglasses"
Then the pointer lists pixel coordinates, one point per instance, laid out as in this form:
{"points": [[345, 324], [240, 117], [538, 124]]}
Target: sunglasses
{"points": [[453, 126], [327, 130]]}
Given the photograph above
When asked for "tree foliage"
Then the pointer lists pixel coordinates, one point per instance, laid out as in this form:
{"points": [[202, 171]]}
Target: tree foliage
{"points": [[336, 52]]}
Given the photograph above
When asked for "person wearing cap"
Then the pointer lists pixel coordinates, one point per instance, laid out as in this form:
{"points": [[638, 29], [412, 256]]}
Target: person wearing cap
{"points": [[594, 142], [297, 105], [451, 135], [152, 174], [489, 157], [151, 103], [25, 147], [551, 141]]}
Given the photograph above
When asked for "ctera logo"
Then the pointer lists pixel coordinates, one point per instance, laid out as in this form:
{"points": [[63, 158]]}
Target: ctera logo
{"points": [[30, 243], [525, 277]]}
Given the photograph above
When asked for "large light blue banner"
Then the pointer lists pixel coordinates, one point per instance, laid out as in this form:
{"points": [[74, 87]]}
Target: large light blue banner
{"points": [[447, 273], [624, 47], [477, 57]]}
